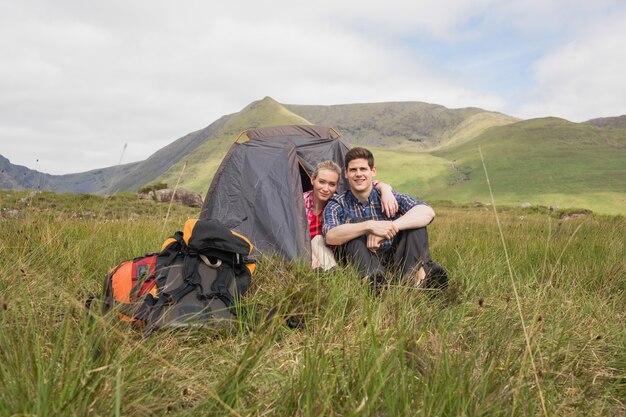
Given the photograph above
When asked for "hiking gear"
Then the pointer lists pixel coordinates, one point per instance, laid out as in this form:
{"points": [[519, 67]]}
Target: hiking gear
{"points": [[436, 276], [257, 190], [203, 283], [195, 280], [127, 285]]}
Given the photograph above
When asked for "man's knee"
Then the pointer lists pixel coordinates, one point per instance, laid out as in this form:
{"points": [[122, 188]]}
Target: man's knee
{"points": [[356, 244], [417, 236], [355, 252]]}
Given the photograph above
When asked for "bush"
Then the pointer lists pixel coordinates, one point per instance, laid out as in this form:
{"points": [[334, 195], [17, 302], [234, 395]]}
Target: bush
{"points": [[153, 187]]}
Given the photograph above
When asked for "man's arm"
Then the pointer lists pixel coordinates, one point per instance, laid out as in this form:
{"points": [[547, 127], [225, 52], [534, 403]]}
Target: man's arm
{"points": [[343, 233], [418, 216]]}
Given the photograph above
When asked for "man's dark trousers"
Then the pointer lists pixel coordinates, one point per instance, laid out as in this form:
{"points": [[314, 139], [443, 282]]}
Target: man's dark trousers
{"points": [[408, 248]]}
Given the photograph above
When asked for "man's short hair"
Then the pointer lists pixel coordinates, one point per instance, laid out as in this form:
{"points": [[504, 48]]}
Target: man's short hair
{"points": [[359, 153]]}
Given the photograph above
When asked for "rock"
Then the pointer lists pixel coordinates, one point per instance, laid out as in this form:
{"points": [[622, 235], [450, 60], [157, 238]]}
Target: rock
{"points": [[526, 205], [182, 196], [26, 200], [10, 214], [88, 215], [146, 196], [572, 216]]}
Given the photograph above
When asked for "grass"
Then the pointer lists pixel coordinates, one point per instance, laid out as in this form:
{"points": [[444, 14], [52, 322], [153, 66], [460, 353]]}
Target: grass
{"points": [[403, 353], [393, 166], [543, 161]]}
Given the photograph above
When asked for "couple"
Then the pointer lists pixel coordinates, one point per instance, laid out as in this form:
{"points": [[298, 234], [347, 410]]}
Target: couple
{"points": [[371, 226]]}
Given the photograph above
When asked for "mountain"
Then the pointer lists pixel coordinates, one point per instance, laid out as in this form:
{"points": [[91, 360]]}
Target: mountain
{"points": [[543, 161], [424, 149], [149, 170], [199, 166], [619, 122], [18, 177], [395, 124], [390, 125]]}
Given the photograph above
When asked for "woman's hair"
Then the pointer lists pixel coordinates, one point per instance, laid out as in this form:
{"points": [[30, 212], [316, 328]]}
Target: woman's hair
{"points": [[329, 165]]}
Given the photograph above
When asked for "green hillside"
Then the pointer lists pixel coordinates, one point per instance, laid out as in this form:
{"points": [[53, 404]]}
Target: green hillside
{"points": [[473, 126], [148, 170], [202, 163], [543, 161], [394, 124], [423, 149], [416, 173], [618, 122]]}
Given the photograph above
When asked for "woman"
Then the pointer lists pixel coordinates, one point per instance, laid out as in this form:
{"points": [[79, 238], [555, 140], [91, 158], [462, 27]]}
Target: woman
{"points": [[325, 180]]}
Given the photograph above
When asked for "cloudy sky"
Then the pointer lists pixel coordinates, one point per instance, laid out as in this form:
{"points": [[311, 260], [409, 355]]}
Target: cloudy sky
{"points": [[86, 84]]}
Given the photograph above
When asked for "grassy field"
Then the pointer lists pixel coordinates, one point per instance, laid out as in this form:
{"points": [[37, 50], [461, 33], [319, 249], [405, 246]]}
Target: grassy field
{"points": [[533, 329], [543, 161]]}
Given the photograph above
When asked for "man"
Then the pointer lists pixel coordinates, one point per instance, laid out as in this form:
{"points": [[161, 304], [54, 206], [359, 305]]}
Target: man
{"points": [[370, 240]]}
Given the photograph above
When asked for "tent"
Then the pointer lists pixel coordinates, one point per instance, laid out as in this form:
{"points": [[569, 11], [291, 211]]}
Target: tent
{"points": [[257, 190]]}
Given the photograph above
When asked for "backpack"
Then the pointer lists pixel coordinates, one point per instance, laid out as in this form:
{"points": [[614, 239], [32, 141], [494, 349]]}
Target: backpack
{"points": [[195, 280]]}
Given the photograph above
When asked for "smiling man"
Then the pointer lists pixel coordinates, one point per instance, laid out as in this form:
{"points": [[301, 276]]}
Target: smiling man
{"points": [[369, 239]]}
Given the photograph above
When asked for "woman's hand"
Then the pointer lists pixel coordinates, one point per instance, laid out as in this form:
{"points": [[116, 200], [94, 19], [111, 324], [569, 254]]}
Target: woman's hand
{"points": [[387, 199]]}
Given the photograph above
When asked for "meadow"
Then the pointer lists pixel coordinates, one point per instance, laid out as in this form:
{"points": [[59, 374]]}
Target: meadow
{"points": [[532, 323]]}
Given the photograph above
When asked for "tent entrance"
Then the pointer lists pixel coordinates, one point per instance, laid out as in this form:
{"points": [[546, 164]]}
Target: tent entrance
{"points": [[305, 179]]}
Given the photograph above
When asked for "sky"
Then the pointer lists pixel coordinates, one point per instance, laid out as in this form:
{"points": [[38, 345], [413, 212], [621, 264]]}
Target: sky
{"points": [[88, 84]]}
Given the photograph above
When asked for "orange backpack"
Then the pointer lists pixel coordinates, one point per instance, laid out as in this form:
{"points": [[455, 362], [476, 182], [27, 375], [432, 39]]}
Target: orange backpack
{"points": [[195, 279]]}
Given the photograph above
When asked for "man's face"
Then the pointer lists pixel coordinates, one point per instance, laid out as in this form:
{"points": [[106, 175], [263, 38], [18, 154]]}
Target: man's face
{"points": [[359, 175]]}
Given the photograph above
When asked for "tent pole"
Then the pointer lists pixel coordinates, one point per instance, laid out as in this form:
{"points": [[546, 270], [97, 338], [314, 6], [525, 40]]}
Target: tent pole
{"points": [[239, 136]]}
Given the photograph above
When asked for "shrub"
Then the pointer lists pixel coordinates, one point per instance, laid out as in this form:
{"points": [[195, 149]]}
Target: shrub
{"points": [[153, 187]]}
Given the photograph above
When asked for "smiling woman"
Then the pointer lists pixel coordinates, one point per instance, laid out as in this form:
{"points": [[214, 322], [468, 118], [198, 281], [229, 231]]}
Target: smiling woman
{"points": [[325, 180]]}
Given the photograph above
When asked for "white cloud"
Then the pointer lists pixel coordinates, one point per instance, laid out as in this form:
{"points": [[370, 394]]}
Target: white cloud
{"points": [[584, 78], [81, 79]]}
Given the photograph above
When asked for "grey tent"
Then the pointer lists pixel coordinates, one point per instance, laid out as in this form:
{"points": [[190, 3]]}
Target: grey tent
{"points": [[257, 190]]}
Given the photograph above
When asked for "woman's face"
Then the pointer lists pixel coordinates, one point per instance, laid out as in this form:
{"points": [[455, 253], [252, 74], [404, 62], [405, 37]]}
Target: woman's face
{"points": [[325, 184]]}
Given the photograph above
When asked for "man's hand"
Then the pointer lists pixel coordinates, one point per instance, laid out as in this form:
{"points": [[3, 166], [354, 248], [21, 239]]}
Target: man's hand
{"points": [[373, 242], [383, 228]]}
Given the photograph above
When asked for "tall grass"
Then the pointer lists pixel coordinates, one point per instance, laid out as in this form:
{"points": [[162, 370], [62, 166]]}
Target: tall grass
{"points": [[405, 352]]}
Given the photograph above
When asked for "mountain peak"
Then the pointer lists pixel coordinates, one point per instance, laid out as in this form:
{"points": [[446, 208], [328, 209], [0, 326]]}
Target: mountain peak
{"points": [[262, 113], [266, 102]]}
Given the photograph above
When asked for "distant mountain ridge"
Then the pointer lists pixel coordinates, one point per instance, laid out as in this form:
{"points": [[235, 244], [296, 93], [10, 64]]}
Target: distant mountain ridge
{"points": [[619, 121], [396, 123], [18, 177], [425, 149]]}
